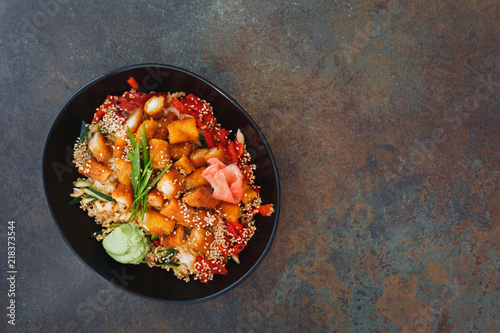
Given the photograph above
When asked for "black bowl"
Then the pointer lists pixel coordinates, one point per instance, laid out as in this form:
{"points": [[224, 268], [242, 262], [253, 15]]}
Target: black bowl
{"points": [[76, 226]]}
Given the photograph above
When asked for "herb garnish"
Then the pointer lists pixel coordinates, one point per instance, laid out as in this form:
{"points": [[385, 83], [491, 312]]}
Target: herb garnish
{"points": [[141, 173], [84, 134], [75, 200], [165, 260]]}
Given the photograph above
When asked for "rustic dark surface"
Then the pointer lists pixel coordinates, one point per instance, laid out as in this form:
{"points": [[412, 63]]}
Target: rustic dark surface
{"points": [[383, 117]]}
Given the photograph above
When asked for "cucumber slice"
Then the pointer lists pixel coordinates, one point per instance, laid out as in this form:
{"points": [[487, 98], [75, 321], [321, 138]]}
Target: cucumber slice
{"points": [[88, 199], [235, 258], [98, 195], [75, 200], [82, 183]]}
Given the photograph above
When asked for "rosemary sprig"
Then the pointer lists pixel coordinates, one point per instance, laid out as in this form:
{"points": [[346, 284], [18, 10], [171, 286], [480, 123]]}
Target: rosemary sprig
{"points": [[142, 170]]}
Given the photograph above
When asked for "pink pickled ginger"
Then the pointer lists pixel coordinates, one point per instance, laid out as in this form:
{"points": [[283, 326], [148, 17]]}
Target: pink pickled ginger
{"points": [[227, 181]]}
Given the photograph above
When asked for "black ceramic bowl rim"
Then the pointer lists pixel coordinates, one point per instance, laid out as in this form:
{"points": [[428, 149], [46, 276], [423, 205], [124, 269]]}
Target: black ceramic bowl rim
{"points": [[45, 169]]}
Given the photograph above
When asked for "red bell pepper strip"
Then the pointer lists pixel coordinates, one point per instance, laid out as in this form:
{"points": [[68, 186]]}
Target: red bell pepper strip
{"points": [[193, 102], [192, 96], [209, 138], [179, 106], [232, 229], [222, 135], [119, 114], [238, 231], [125, 104], [237, 248], [133, 83], [201, 125], [213, 266], [221, 146], [266, 210], [247, 171], [237, 225], [98, 115], [110, 100], [138, 98], [223, 249], [231, 152], [157, 242], [208, 118], [199, 263], [240, 148], [216, 267], [203, 271], [201, 107]]}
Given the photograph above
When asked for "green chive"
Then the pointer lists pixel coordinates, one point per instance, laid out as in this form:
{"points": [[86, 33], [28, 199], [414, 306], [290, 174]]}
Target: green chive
{"points": [[84, 133], [160, 175], [142, 170], [83, 129], [75, 200], [145, 150]]}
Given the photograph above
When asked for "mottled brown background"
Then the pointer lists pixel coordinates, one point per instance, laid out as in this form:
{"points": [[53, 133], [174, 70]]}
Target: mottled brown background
{"points": [[384, 120]]}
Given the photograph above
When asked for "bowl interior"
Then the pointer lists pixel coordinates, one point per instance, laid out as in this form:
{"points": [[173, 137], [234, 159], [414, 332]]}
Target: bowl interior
{"points": [[76, 226]]}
